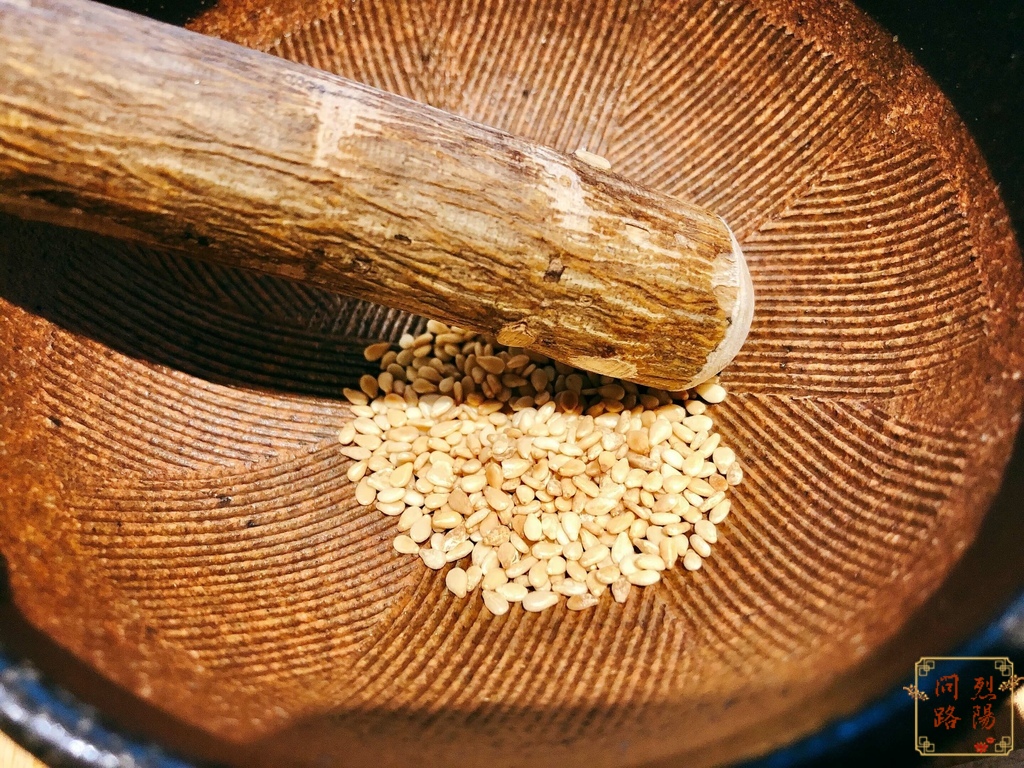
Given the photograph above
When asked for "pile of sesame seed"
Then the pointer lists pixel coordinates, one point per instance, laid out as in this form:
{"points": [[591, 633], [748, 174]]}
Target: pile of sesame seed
{"points": [[535, 480]]}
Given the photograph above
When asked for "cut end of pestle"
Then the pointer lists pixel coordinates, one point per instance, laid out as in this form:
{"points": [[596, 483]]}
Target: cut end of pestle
{"points": [[733, 278]]}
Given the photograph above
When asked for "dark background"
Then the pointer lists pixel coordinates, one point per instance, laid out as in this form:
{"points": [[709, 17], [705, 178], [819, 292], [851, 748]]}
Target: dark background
{"points": [[974, 50]]}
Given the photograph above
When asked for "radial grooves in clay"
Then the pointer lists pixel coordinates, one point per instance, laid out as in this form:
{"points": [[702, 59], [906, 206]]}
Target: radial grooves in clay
{"points": [[157, 420], [245, 292], [543, 85], [434, 630], [159, 323], [873, 266], [225, 549], [769, 119], [364, 42], [793, 533]]}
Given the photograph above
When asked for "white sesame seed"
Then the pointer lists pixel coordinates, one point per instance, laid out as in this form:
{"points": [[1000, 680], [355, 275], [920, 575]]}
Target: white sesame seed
{"points": [[573, 567], [706, 530], [700, 546], [421, 530], [711, 393], [594, 555], [365, 493], [535, 602], [650, 563], [620, 589], [734, 476], [433, 558], [459, 551], [494, 578], [595, 161], [356, 452], [406, 545], [495, 603], [720, 511], [357, 471], [512, 592], [517, 569], [571, 587], [457, 582], [644, 578], [473, 577]]}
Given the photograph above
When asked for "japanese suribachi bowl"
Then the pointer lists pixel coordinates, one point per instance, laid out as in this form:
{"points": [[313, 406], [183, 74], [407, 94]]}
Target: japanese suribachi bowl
{"points": [[174, 511]]}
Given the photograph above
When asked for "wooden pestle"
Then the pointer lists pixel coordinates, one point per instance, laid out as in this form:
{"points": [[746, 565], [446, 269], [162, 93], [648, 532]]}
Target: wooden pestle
{"points": [[121, 125]]}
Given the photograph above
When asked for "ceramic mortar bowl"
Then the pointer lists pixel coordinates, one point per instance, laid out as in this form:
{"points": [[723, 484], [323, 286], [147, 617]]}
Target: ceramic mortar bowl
{"points": [[174, 511]]}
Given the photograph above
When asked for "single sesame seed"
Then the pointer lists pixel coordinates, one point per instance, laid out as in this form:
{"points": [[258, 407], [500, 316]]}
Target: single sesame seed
{"points": [[620, 589], [495, 603], [706, 530], [720, 511], [457, 582], [493, 578], [357, 471], [581, 602], [644, 578], [711, 392], [700, 546], [535, 602], [406, 545], [512, 592], [594, 161]]}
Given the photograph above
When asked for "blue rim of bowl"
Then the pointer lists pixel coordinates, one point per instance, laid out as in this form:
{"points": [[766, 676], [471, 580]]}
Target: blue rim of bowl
{"points": [[65, 733], [62, 731]]}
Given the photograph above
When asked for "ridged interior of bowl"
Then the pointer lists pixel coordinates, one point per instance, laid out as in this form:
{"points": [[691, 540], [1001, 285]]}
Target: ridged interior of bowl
{"points": [[174, 504]]}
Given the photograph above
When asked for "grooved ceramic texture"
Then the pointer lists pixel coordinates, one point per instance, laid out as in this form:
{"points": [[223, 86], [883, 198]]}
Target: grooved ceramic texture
{"points": [[174, 507]]}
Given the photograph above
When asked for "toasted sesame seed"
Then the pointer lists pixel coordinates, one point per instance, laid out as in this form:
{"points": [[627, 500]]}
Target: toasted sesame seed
{"points": [[375, 352], [355, 396], [581, 602]]}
